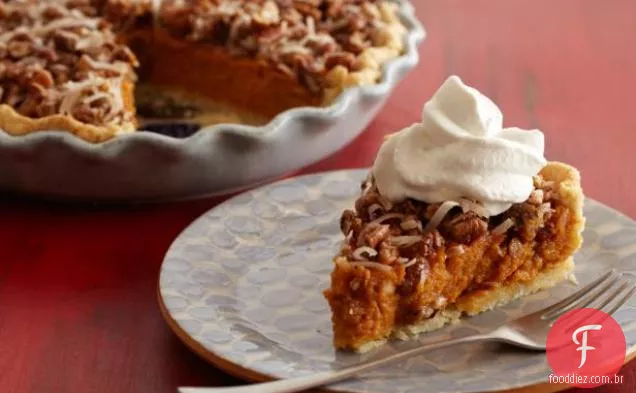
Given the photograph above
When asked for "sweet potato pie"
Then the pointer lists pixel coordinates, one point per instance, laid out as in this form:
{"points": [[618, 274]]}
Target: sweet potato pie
{"points": [[455, 245], [73, 65]]}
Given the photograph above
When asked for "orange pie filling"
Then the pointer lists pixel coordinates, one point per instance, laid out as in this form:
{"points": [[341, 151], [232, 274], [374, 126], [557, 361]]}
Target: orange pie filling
{"points": [[396, 276], [241, 83]]}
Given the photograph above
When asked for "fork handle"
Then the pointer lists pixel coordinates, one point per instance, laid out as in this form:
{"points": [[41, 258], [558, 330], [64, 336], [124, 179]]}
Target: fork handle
{"points": [[327, 377]]}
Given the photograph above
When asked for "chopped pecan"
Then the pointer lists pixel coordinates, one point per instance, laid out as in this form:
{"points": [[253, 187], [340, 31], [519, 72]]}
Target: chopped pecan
{"points": [[23, 36], [19, 49], [367, 200], [60, 72], [295, 60], [529, 218], [84, 6], [335, 7], [355, 43], [355, 22], [377, 234], [371, 10], [426, 248], [347, 221], [340, 58], [297, 33], [465, 228], [291, 15], [13, 95], [53, 11], [388, 253], [13, 71], [37, 90], [413, 276], [45, 53], [89, 114], [271, 34], [123, 53], [65, 40], [29, 105], [308, 10], [68, 59], [45, 108], [42, 78], [84, 64], [322, 47]]}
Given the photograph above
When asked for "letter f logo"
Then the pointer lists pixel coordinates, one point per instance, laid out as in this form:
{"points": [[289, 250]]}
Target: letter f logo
{"points": [[584, 347]]}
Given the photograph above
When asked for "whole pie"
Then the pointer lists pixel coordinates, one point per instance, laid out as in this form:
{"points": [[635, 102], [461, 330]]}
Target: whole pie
{"points": [[72, 65], [458, 216]]}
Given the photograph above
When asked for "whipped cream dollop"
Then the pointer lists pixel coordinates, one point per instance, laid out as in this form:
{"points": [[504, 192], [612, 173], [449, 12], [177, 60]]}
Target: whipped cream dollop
{"points": [[460, 150]]}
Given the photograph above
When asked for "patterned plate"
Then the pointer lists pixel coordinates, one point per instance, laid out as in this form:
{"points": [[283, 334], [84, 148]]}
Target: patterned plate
{"points": [[242, 286]]}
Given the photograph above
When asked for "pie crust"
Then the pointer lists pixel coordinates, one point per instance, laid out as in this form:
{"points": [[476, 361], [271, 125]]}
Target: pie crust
{"points": [[16, 124], [370, 304]]}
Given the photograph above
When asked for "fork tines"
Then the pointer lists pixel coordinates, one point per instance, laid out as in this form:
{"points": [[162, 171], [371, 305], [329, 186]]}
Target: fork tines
{"points": [[608, 293]]}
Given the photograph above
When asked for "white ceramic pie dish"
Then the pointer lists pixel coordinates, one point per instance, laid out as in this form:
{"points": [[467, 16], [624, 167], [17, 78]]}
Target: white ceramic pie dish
{"points": [[215, 160]]}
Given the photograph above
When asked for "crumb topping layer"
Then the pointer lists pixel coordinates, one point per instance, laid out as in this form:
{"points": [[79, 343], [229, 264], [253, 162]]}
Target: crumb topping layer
{"points": [[326, 44], [305, 38], [388, 236]]}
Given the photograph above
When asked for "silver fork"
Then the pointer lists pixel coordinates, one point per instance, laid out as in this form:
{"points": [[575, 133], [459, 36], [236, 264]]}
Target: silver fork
{"points": [[608, 293]]}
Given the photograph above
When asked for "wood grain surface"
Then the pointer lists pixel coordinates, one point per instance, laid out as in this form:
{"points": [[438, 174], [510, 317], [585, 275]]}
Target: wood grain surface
{"points": [[78, 311]]}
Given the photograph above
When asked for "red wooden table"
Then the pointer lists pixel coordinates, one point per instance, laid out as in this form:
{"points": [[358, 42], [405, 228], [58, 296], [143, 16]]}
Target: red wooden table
{"points": [[77, 283]]}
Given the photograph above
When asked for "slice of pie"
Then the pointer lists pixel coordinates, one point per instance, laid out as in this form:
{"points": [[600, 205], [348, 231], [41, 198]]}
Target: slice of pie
{"points": [[458, 216], [72, 65]]}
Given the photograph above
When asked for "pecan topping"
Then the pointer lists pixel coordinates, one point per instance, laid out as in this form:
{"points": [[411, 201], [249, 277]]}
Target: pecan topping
{"points": [[340, 58], [377, 234], [65, 40], [19, 49], [43, 79], [465, 228], [57, 57], [412, 277], [347, 221], [388, 253], [306, 37]]}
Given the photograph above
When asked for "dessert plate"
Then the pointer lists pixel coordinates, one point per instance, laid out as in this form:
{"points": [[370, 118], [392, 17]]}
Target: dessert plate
{"points": [[242, 287]]}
